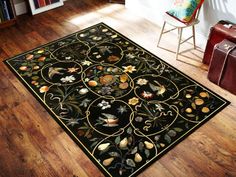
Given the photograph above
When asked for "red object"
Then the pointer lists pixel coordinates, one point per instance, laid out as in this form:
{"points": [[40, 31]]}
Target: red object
{"points": [[42, 3], [222, 30], [222, 69]]}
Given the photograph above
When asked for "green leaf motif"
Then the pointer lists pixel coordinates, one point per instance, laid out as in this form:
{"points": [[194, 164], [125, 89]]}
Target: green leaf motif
{"points": [[93, 144], [129, 130], [172, 133], [186, 125], [193, 105], [178, 129], [134, 150], [167, 138], [130, 162], [147, 152], [35, 78], [157, 137], [114, 154], [197, 118], [190, 115], [117, 140], [141, 146]]}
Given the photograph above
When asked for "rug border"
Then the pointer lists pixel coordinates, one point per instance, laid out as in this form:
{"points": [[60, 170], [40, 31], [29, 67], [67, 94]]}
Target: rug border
{"points": [[76, 140]]}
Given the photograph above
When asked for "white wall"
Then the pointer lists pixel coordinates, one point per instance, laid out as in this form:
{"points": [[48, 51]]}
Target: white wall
{"points": [[211, 12]]}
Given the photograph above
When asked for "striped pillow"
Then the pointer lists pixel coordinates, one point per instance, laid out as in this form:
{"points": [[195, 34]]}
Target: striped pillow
{"points": [[185, 10]]}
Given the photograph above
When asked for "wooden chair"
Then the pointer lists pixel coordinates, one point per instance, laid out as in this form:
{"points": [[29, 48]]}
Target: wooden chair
{"points": [[180, 26]]}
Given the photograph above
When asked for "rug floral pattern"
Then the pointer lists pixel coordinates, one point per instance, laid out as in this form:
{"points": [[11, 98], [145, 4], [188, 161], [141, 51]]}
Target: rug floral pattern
{"points": [[125, 106]]}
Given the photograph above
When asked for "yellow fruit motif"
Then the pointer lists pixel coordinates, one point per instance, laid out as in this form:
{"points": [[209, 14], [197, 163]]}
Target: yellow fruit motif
{"points": [[148, 145], [41, 59], [103, 146], [113, 58], [123, 85], [34, 83], [162, 145], [205, 110], [29, 57], [188, 110], [137, 157], [123, 143], [107, 79], [108, 161], [43, 89], [40, 51], [199, 101], [204, 94], [123, 78], [162, 90], [100, 68], [36, 67], [188, 96], [104, 30], [23, 68], [92, 83]]}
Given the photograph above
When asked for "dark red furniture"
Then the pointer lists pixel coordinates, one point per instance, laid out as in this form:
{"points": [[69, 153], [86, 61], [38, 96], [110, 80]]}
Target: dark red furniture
{"points": [[222, 30], [222, 69]]}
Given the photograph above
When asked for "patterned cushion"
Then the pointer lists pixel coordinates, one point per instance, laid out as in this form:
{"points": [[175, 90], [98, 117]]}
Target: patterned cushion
{"points": [[185, 10]]}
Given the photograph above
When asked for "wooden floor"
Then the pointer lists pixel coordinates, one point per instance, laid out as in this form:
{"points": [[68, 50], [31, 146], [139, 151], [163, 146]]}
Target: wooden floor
{"points": [[33, 145]]}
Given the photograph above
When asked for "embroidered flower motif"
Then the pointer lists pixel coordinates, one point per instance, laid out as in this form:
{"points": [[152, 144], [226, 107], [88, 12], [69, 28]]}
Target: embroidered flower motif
{"points": [[43, 89], [68, 79], [159, 107], [147, 94], [72, 70], [104, 105], [86, 79], [85, 102], [122, 109], [130, 56], [138, 119], [133, 101], [106, 90], [142, 81], [104, 49], [72, 122], [87, 63], [68, 58], [61, 43], [129, 68]]}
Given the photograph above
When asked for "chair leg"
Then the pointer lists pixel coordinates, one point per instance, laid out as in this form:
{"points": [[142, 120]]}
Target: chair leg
{"points": [[179, 42], [162, 30], [194, 39]]}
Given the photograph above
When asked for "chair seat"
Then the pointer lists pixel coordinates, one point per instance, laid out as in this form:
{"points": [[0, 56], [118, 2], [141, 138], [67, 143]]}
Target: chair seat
{"points": [[176, 23]]}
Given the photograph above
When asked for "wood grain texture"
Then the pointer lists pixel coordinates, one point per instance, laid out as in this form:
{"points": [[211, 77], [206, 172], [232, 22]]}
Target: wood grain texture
{"points": [[32, 144]]}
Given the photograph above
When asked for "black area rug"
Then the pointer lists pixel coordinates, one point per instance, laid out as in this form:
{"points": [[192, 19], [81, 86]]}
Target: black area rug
{"points": [[124, 106]]}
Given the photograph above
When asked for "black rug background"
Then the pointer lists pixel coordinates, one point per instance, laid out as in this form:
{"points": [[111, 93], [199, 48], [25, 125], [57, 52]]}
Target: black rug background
{"points": [[151, 68]]}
